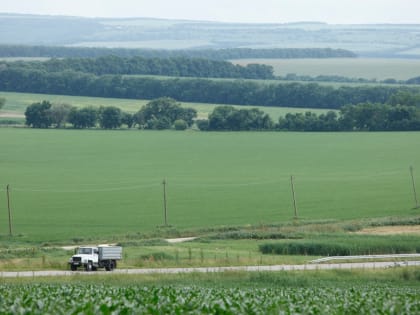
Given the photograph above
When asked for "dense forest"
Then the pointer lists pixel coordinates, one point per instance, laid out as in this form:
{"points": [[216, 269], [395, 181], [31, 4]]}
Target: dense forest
{"points": [[214, 54], [239, 92], [175, 67]]}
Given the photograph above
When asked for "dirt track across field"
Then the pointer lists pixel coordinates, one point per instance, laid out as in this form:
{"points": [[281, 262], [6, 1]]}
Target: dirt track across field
{"points": [[11, 115], [390, 230]]}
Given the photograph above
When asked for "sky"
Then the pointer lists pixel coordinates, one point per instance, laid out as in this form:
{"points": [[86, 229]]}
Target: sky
{"points": [[247, 11]]}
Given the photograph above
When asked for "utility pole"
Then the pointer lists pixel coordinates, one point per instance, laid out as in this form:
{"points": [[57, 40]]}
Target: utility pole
{"points": [[164, 202], [294, 196], [8, 208], [414, 187]]}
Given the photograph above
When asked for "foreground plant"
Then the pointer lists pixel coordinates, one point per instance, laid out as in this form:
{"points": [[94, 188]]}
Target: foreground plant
{"points": [[101, 299]]}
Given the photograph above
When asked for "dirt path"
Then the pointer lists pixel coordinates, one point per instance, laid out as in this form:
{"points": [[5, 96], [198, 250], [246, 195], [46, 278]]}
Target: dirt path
{"points": [[11, 115], [180, 240], [390, 230], [169, 240]]}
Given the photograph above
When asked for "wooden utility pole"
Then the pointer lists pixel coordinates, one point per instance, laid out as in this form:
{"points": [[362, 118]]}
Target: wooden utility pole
{"points": [[414, 187], [294, 196], [164, 202], [8, 208]]}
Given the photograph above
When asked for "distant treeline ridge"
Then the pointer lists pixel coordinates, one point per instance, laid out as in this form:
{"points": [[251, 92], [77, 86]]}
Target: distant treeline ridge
{"points": [[217, 54]]}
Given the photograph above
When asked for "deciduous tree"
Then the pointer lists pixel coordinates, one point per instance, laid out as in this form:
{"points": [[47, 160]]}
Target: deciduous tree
{"points": [[161, 113], [38, 115], [110, 117], [83, 118], [59, 114]]}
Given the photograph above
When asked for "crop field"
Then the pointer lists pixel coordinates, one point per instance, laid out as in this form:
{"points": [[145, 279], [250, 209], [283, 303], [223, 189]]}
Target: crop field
{"points": [[367, 68], [16, 104], [72, 184], [102, 299]]}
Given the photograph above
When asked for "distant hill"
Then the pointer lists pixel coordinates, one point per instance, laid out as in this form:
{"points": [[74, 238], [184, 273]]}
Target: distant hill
{"points": [[386, 40]]}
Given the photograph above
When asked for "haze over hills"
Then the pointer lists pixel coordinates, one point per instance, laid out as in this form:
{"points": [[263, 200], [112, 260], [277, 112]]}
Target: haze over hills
{"points": [[382, 40]]}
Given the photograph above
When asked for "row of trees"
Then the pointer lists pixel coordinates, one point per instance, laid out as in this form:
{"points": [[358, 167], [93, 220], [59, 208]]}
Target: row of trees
{"points": [[215, 54], [237, 92], [231, 118], [175, 66], [162, 113], [361, 117], [45, 114], [166, 113], [342, 79]]}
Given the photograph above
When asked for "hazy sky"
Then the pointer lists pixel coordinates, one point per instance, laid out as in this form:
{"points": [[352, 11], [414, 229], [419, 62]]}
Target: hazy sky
{"points": [[331, 11]]}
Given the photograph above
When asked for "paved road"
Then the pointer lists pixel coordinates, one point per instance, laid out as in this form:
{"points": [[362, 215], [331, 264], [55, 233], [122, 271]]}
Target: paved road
{"points": [[365, 265]]}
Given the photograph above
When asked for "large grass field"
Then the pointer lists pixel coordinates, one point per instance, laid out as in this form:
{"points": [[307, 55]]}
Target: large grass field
{"points": [[69, 184], [367, 68]]}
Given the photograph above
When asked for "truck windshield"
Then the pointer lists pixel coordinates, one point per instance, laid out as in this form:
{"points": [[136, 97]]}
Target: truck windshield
{"points": [[85, 251]]}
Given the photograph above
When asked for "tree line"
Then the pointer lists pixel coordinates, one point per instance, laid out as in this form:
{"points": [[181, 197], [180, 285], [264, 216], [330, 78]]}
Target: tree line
{"points": [[343, 79], [360, 117], [174, 66], [167, 113], [162, 113], [238, 92], [215, 54]]}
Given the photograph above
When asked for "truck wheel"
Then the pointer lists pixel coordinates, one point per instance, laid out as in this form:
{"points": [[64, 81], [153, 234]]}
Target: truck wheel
{"points": [[109, 266], [73, 267], [89, 266]]}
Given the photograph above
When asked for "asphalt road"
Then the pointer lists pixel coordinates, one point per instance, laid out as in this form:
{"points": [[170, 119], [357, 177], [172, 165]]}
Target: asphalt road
{"points": [[61, 273]]}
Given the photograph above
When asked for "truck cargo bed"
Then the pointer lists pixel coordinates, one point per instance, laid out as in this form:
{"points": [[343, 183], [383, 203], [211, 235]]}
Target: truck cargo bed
{"points": [[110, 252]]}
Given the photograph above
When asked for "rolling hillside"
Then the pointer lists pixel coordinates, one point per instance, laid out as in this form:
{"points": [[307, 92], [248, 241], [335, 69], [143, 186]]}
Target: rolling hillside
{"points": [[365, 40]]}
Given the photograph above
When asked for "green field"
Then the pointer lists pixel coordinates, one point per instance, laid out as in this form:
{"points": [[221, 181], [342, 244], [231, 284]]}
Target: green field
{"points": [[194, 299], [16, 104], [70, 184], [367, 68]]}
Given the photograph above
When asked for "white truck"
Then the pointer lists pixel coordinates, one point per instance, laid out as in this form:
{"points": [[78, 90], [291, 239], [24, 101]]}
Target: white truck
{"points": [[93, 257]]}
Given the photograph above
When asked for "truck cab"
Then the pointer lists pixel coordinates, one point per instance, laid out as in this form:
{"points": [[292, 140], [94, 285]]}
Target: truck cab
{"points": [[86, 257]]}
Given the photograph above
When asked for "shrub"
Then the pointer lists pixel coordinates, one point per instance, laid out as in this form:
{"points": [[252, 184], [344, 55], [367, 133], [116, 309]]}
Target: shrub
{"points": [[180, 124], [157, 256], [202, 124]]}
